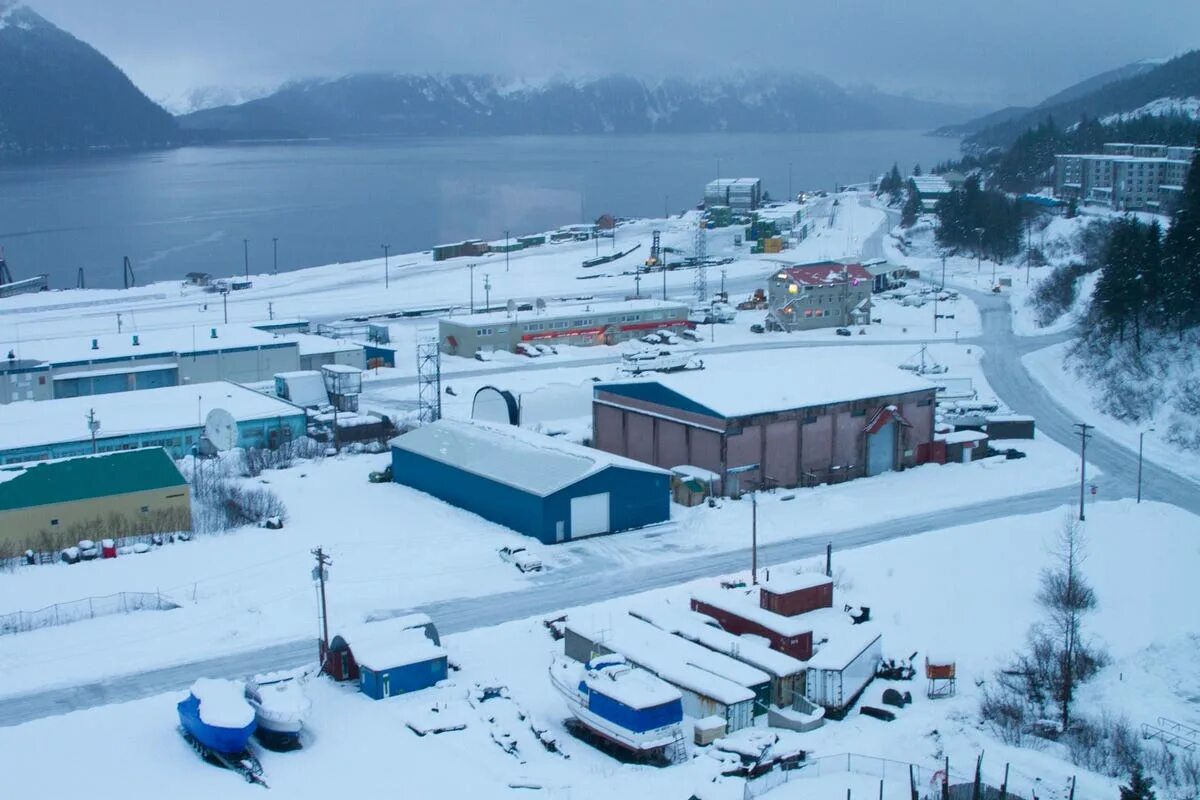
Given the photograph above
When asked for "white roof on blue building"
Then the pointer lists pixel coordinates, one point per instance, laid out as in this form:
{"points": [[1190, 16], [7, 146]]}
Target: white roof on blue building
{"points": [[32, 423], [523, 459], [150, 342]]}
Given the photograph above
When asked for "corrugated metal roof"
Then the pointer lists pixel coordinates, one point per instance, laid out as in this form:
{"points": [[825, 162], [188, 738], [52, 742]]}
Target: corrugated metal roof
{"points": [[531, 462], [86, 477]]}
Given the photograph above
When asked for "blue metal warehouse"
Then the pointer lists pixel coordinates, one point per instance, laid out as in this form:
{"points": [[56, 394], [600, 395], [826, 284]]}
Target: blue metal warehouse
{"points": [[544, 487]]}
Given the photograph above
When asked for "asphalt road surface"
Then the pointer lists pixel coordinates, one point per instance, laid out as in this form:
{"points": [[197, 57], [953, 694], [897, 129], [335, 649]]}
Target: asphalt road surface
{"points": [[563, 589]]}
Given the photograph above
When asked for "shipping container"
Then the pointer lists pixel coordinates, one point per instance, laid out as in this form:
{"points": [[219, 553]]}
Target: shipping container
{"points": [[785, 634], [791, 595], [842, 668]]}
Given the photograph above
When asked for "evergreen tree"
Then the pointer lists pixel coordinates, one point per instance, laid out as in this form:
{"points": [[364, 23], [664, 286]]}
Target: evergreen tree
{"points": [[912, 206], [1140, 786], [917, 171]]}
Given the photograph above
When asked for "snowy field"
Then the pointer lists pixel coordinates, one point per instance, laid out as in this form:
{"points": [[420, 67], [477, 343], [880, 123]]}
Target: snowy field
{"points": [[395, 548], [929, 592]]}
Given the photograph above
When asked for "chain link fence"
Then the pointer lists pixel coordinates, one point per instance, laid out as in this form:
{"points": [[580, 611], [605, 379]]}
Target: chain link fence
{"points": [[87, 608]]}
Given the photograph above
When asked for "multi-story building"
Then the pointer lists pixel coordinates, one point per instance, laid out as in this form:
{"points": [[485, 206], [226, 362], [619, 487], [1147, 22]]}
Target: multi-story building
{"points": [[827, 294], [599, 323], [1126, 177]]}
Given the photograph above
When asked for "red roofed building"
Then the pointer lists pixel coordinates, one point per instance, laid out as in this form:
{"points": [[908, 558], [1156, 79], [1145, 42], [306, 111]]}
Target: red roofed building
{"points": [[828, 294]]}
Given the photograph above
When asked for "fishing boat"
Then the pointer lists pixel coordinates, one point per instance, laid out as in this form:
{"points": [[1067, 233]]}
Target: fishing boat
{"points": [[658, 359], [625, 705], [217, 722], [280, 708]]}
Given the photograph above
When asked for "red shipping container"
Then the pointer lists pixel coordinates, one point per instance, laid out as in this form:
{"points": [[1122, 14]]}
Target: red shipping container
{"points": [[792, 595], [797, 644]]}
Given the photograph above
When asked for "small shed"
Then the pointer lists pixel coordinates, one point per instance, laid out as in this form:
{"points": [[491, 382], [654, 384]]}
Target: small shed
{"points": [[541, 486], [963, 446], [340, 663], [393, 660], [798, 593], [1010, 426]]}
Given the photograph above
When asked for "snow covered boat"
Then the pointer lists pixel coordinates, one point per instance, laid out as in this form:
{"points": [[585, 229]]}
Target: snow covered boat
{"points": [[280, 708], [621, 703], [658, 359], [217, 722]]}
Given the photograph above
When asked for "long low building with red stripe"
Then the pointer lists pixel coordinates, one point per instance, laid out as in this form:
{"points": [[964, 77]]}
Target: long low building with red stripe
{"points": [[585, 324]]}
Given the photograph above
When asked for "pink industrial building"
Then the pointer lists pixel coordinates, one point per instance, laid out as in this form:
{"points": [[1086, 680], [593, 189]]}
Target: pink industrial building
{"points": [[798, 418]]}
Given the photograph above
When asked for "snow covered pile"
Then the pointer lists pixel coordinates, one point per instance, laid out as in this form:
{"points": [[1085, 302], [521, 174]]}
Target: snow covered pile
{"points": [[222, 703]]}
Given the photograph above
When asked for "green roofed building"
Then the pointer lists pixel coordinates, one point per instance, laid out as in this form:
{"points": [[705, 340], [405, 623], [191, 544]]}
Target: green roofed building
{"points": [[52, 504]]}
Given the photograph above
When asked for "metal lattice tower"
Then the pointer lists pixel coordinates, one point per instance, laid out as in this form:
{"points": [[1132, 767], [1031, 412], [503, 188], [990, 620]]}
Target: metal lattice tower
{"points": [[429, 378], [700, 283]]}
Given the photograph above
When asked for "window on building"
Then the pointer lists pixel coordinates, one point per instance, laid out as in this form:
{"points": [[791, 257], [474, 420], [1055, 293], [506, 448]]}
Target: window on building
{"points": [[54, 523], [579, 323], [483, 331]]}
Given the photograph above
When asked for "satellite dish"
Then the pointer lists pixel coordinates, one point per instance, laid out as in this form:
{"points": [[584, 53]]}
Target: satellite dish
{"points": [[511, 305], [220, 429], [540, 304]]}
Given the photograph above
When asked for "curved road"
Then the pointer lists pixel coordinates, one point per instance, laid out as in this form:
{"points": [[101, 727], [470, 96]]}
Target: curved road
{"points": [[563, 589]]}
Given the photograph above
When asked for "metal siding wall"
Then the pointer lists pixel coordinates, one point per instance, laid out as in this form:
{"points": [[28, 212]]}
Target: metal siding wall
{"points": [[504, 505], [639, 438], [608, 429], [671, 449], [636, 499], [782, 452]]}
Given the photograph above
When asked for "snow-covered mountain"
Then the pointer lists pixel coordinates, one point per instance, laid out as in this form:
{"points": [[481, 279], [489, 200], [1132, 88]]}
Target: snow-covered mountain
{"points": [[383, 104], [59, 94], [205, 97]]}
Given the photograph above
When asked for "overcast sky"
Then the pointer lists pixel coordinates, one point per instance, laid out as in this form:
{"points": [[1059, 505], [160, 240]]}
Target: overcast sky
{"points": [[984, 51]]}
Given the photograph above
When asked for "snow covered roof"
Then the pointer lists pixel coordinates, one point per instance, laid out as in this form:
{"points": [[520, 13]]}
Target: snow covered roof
{"points": [[524, 459], [784, 583], [394, 643], [568, 312], [165, 342], [769, 381], [747, 608], [843, 647], [313, 345], [961, 437], [614, 677], [825, 273], [30, 423], [696, 628], [223, 703], [931, 184]]}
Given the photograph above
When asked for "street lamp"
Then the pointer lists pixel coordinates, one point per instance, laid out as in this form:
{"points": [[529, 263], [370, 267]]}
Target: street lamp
{"points": [[1141, 440], [246, 255], [637, 282], [275, 255], [385, 247]]}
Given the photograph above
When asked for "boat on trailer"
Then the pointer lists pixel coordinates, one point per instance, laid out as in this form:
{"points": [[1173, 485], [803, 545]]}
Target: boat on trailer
{"points": [[658, 359], [280, 708], [217, 721], [623, 704]]}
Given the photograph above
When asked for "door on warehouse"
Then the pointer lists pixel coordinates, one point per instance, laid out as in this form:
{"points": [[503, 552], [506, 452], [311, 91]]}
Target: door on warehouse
{"points": [[881, 449]]}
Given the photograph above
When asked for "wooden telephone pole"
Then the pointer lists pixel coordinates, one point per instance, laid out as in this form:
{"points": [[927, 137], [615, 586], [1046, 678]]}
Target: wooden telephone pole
{"points": [[319, 574]]}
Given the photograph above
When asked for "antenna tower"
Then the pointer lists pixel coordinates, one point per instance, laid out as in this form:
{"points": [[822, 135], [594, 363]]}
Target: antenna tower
{"points": [[429, 378], [700, 283]]}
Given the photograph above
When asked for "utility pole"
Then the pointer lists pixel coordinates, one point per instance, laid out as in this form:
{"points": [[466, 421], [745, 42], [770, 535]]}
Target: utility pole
{"points": [[385, 247], [1083, 435], [118, 322], [225, 304], [943, 273], [754, 538], [507, 247], [270, 314], [471, 267], [93, 426], [275, 255], [979, 250], [246, 255], [791, 196], [487, 293], [1141, 439], [637, 282], [664, 272], [319, 574], [666, 202]]}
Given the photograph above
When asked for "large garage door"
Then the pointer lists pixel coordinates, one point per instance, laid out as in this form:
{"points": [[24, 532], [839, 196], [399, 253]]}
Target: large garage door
{"points": [[589, 515], [881, 449]]}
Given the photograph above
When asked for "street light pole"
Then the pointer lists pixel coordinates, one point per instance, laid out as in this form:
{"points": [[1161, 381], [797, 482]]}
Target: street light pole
{"points": [[1141, 440], [979, 250], [246, 255], [506, 249], [275, 255], [471, 267], [637, 283], [754, 538], [386, 278], [487, 292]]}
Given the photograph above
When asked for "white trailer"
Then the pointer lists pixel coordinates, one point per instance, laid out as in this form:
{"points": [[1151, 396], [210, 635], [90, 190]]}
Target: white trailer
{"points": [[839, 672]]}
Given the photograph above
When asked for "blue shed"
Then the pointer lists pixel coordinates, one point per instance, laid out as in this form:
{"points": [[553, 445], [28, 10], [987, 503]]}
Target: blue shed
{"points": [[541, 486], [393, 660]]}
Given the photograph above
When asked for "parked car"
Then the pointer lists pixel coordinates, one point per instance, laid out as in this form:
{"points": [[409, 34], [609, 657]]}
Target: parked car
{"points": [[521, 558], [843, 332], [524, 349], [483, 355]]}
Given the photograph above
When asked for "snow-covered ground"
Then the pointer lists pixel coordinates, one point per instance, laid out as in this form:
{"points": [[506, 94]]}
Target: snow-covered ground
{"points": [[967, 592], [1048, 367]]}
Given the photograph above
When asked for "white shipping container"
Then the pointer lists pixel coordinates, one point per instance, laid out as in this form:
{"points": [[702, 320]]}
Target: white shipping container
{"points": [[838, 672]]}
